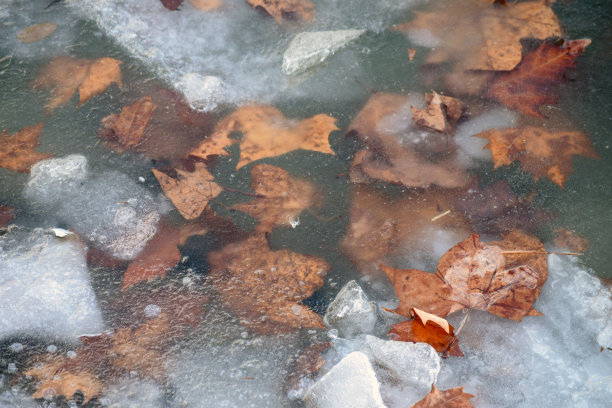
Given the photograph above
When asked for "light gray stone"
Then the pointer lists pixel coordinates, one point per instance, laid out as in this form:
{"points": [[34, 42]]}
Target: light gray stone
{"points": [[311, 48], [351, 312]]}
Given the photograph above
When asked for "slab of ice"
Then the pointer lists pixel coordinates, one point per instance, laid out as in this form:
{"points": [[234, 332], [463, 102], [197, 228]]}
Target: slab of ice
{"points": [[311, 48], [44, 286], [350, 383], [351, 312], [109, 209], [505, 362], [133, 393]]}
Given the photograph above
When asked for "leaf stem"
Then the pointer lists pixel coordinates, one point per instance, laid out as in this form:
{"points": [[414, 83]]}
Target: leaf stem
{"points": [[457, 333]]}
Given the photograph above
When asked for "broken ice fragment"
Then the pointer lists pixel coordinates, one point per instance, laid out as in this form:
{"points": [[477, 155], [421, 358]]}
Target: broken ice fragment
{"points": [[60, 232], [311, 48], [202, 92], [350, 383], [350, 312]]}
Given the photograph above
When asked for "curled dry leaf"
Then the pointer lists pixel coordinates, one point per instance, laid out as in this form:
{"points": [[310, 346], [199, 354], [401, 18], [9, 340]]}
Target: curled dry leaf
{"points": [[268, 133], [441, 114], [127, 128], [36, 32], [264, 288], [531, 84], [427, 328], [288, 9], [565, 238], [17, 150], [64, 75], [541, 152], [283, 197], [474, 275], [189, 191], [451, 398]]}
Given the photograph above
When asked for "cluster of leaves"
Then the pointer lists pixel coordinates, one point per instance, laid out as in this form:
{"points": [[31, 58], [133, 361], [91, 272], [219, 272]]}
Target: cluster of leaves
{"points": [[263, 287]]}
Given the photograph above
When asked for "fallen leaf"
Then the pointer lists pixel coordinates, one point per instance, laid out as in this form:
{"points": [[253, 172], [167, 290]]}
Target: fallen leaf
{"points": [[64, 75], [531, 84], [127, 128], [567, 239], [540, 152], [36, 32], [441, 114], [17, 150], [268, 133], [206, 5], [160, 254], [213, 145], [283, 197], [57, 381], [427, 328], [288, 9], [265, 288], [189, 191], [451, 398], [478, 276], [6, 215], [172, 4]]}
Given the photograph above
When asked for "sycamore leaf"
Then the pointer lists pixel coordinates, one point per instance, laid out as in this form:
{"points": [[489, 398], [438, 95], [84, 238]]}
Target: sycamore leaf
{"points": [[160, 254], [474, 275], [127, 128], [6, 215], [541, 152], [567, 239], [441, 114], [264, 288], [283, 197], [36, 32], [288, 9], [64, 75], [189, 191], [17, 150], [427, 328], [531, 83], [268, 133], [451, 398], [172, 4], [206, 5]]}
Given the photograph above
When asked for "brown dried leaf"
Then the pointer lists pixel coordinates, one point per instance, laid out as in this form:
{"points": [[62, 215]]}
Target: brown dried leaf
{"points": [[213, 145], [36, 32], [531, 84], [57, 381], [284, 197], [206, 5], [172, 4], [17, 150], [102, 73], [6, 215], [451, 398], [289, 9], [268, 133], [189, 191], [541, 152], [265, 288], [441, 114], [479, 276], [567, 239], [127, 128]]}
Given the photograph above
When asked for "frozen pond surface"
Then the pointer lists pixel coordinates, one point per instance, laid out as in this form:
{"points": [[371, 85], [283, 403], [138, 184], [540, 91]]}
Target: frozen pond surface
{"points": [[185, 340]]}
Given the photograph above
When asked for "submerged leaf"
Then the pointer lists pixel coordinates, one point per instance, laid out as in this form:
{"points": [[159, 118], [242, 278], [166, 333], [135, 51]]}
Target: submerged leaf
{"points": [[289, 9], [17, 150], [36, 32], [127, 128], [441, 114]]}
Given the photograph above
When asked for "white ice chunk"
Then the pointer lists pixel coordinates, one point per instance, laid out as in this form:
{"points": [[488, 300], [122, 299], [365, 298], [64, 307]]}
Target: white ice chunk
{"points": [[44, 286], [134, 393], [350, 312], [202, 92], [311, 48], [109, 209], [350, 383]]}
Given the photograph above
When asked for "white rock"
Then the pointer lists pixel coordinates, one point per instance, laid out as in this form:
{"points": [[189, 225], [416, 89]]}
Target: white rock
{"points": [[202, 92], [350, 383], [350, 312], [311, 48], [44, 286]]}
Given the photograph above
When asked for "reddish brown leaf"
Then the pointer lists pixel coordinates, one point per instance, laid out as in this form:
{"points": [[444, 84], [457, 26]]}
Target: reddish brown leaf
{"points": [[6, 215], [17, 150], [127, 128], [102, 73], [567, 239], [531, 84], [451, 398], [265, 288], [503, 278], [283, 197], [36, 32], [289, 9], [172, 4], [542, 153], [441, 114]]}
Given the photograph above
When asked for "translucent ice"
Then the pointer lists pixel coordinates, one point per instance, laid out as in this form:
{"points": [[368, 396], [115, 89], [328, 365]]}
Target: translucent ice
{"points": [[133, 393], [351, 312], [350, 383], [108, 209], [44, 286], [15, 398]]}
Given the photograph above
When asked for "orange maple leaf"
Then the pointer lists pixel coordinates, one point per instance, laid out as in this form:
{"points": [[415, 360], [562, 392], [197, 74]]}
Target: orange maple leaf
{"points": [[17, 150]]}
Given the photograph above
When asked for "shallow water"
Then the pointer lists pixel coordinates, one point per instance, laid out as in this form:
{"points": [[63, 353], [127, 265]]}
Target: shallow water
{"points": [[244, 49]]}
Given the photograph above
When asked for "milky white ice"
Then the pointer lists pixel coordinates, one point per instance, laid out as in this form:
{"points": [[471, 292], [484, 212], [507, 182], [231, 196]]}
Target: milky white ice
{"points": [[44, 286], [109, 210], [235, 54]]}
